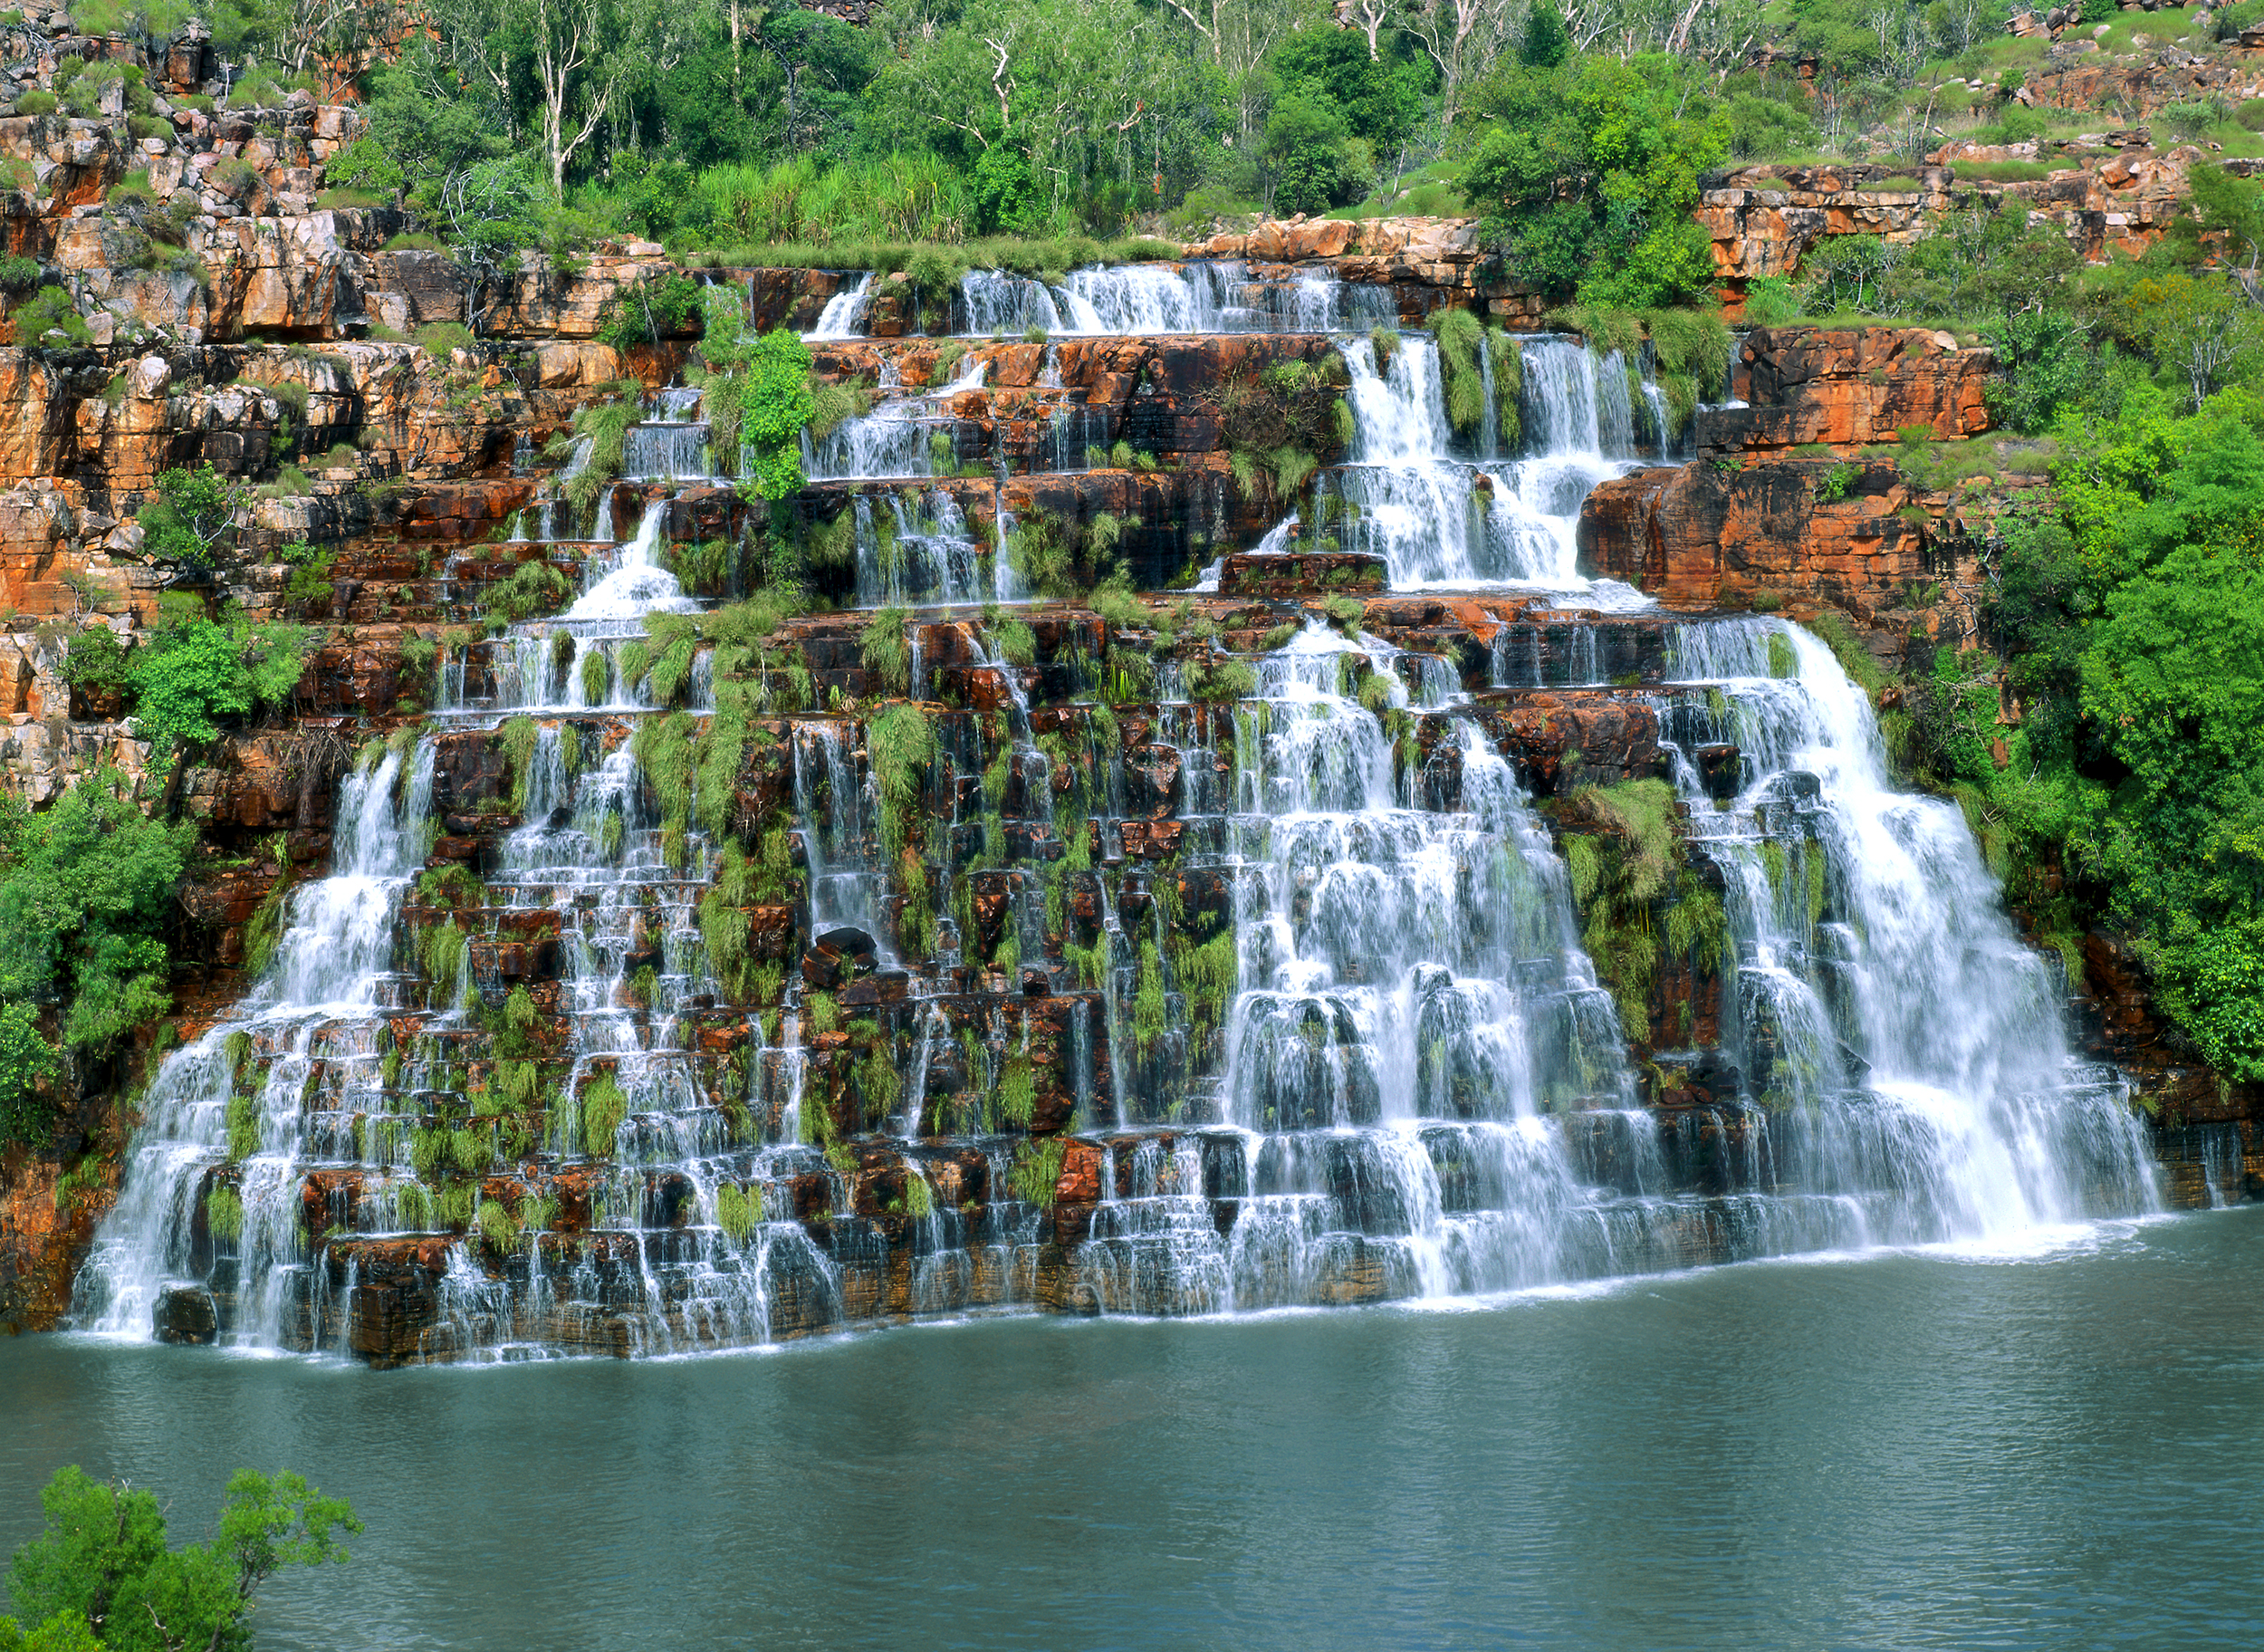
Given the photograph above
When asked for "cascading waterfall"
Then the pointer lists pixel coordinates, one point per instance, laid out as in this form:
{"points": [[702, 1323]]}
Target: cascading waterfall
{"points": [[844, 313], [1419, 1086], [315, 1014], [1439, 520], [1414, 1002], [671, 444], [1908, 1053], [914, 552], [331, 1076], [899, 437], [1146, 299]]}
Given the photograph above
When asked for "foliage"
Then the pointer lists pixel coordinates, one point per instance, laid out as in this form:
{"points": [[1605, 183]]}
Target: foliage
{"points": [[644, 312], [603, 1108], [85, 893], [192, 515], [1623, 853], [1586, 174], [884, 650], [901, 746], [196, 674], [1036, 1171], [758, 396], [47, 311], [100, 1569], [535, 589]]}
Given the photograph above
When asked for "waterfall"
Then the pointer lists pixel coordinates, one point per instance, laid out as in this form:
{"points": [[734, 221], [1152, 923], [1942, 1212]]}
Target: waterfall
{"points": [[1911, 1053], [211, 1119], [1437, 520], [672, 443], [921, 553], [843, 316], [1301, 971], [636, 584], [836, 820], [1415, 1006], [1146, 299], [899, 437]]}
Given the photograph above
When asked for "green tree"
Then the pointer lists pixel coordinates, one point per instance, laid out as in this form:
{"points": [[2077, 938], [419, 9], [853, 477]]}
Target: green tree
{"points": [[1586, 177], [101, 1571], [192, 516], [196, 674], [1546, 43], [2175, 680], [2204, 328], [1307, 152], [85, 890]]}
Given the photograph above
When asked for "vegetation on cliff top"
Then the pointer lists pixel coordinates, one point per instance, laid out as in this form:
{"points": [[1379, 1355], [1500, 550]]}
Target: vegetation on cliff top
{"points": [[789, 136]]}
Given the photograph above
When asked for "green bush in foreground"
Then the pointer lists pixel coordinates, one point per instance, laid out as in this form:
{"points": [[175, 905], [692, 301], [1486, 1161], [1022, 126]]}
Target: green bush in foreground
{"points": [[100, 1574]]}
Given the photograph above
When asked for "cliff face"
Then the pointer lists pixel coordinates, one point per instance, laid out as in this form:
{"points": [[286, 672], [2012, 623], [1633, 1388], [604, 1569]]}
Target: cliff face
{"points": [[1793, 505]]}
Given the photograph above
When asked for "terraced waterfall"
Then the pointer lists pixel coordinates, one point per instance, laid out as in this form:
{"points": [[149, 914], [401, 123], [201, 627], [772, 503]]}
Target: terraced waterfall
{"points": [[1402, 913]]}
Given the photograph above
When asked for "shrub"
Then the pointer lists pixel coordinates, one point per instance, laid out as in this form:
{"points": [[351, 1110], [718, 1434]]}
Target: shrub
{"points": [[1221, 679], [18, 274], [436, 339], [194, 676], [656, 306], [49, 310], [532, 590], [86, 892], [2006, 171], [256, 91], [365, 165], [104, 1554], [37, 103], [194, 512], [603, 1108]]}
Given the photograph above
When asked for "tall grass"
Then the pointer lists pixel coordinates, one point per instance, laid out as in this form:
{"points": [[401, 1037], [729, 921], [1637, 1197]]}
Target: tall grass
{"points": [[896, 197]]}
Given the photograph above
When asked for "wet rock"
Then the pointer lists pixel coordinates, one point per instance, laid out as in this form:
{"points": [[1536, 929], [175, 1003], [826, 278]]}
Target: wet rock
{"points": [[187, 1314]]}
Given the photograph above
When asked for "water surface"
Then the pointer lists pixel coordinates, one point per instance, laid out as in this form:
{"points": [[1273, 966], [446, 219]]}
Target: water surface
{"points": [[2058, 1450]]}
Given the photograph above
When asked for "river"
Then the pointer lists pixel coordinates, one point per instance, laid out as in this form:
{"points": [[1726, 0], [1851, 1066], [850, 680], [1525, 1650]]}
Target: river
{"points": [[2055, 1447]]}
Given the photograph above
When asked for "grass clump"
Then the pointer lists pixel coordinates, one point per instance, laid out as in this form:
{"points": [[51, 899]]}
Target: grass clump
{"points": [[603, 1109], [1036, 1172]]}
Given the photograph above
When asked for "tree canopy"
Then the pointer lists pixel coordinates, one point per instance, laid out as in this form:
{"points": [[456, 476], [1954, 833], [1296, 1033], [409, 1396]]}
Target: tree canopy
{"points": [[100, 1574]]}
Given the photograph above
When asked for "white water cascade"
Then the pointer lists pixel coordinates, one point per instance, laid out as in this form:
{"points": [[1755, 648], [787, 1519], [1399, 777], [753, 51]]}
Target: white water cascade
{"points": [[1416, 1003], [1390, 1071], [1909, 1050], [314, 1016], [1441, 520], [1144, 299], [907, 435], [339, 1073], [843, 316]]}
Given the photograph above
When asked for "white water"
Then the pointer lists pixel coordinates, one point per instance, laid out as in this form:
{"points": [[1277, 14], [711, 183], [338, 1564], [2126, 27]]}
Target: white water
{"points": [[1438, 520], [1882, 996], [843, 316], [915, 551], [1146, 299], [1423, 1081], [899, 437], [312, 1016]]}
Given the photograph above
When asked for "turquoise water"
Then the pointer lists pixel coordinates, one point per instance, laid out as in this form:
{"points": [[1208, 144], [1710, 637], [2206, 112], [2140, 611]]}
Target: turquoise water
{"points": [[2057, 1449]]}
